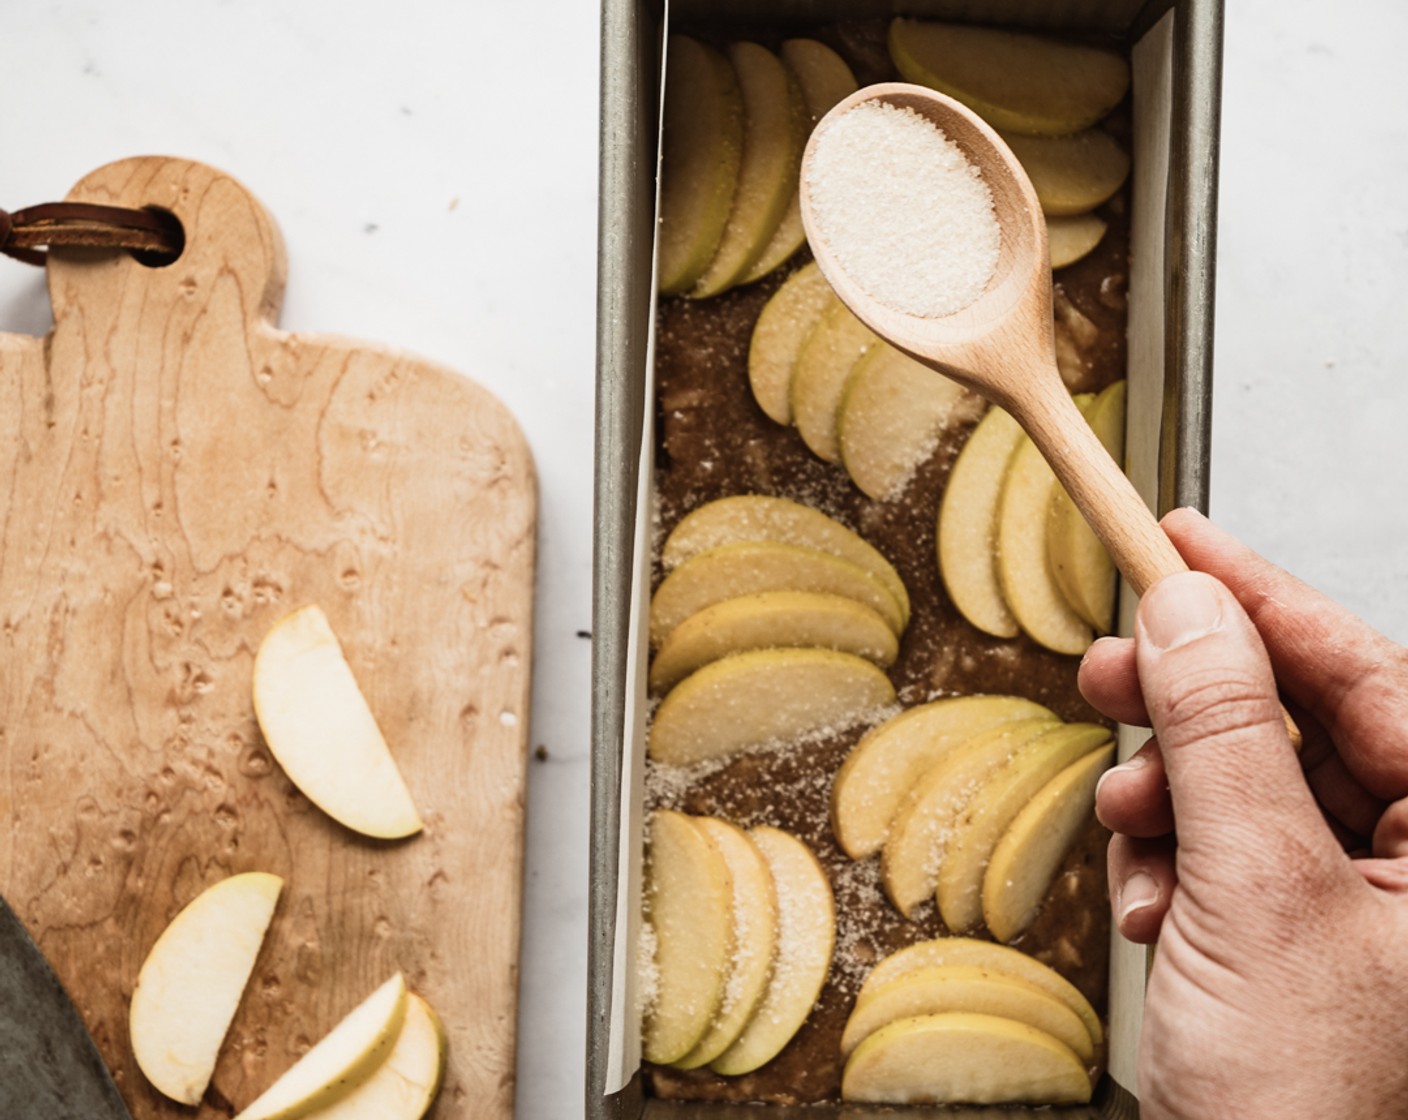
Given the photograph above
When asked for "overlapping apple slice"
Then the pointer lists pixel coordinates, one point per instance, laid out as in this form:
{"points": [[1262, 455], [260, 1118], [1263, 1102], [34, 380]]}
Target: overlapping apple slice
{"points": [[785, 323], [1071, 174], [768, 695], [1018, 82], [1070, 239], [836, 344]]}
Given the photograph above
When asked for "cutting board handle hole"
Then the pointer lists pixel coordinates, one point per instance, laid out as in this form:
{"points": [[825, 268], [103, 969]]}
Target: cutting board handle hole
{"points": [[158, 258]]}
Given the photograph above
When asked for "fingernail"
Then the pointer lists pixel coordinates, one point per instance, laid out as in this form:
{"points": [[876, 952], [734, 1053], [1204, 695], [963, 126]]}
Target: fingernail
{"points": [[1136, 762], [1137, 892], [1180, 608]]}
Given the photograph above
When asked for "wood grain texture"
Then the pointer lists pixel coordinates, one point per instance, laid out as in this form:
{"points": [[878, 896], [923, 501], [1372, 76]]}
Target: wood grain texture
{"points": [[177, 474]]}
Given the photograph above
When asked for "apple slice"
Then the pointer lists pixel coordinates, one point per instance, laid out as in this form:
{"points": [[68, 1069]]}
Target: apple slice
{"points": [[774, 132], [1071, 174], [688, 899], [320, 730], [889, 761], [749, 568], [1024, 83], [701, 148], [755, 927], [824, 79], [749, 699], [967, 528], [961, 1058], [891, 414], [405, 1085], [942, 988], [1026, 859], [756, 517], [344, 1058], [1081, 567], [806, 936], [787, 319], [1070, 239], [772, 620], [987, 816], [190, 985], [998, 959], [837, 343], [909, 863], [1022, 569]]}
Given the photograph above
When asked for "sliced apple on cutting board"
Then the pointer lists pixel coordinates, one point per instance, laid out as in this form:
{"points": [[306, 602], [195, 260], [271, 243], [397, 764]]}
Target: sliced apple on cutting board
{"points": [[944, 988], [890, 759], [750, 568], [749, 699], [772, 620], [890, 417], [702, 145], [826, 359], [755, 924], [1070, 239], [1018, 82], [321, 731], [787, 319], [986, 817], [757, 517], [190, 985], [806, 917], [1023, 570], [824, 79], [1030, 852], [405, 1085], [909, 863], [999, 959], [688, 899], [1081, 567], [344, 1058], [962, 1058], [1071, 174], [967, 526], [774, 132]]}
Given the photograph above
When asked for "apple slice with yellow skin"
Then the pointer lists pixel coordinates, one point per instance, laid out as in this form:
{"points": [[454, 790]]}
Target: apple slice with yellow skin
{"points": [[748, 699], [755, 927], [321, 731], [1023, 83], [1071, 174], [992, 809], [806, 936], [997, 959], [405, 1085], [1070, 239], [909, 864], [344, 1058], [824, 79], [943, 988], [837, 343], [891, 414], [967, 526], [772, 620], [1028, 585], [702, 145], [750, 568], [963, 1058], [787, 319], [1027, 857], [1081, 567], [890, 759], [757, 517], [190, 985], [688, 900], [774, 133]]}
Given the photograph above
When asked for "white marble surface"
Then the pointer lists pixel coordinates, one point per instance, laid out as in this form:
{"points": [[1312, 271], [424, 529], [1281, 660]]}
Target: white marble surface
{"points": [[433, 167]]}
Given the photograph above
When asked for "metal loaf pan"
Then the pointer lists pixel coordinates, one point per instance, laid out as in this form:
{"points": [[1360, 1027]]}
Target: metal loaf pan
{"points": [[1177, 47]]}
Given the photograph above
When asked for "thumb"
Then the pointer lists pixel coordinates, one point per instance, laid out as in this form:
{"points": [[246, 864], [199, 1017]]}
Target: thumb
{"points": [[1238, 791]]}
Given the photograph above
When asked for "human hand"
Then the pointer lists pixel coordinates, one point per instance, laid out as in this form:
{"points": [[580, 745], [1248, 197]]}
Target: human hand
{"points": [[1276, 886]]}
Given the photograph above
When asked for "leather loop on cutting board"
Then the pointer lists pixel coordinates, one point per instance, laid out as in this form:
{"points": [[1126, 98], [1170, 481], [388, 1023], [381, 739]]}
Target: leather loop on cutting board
{"points": [[90, 226]]}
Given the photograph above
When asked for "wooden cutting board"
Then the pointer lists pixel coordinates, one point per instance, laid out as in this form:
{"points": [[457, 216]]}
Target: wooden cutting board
{"points": [[176, 475]]}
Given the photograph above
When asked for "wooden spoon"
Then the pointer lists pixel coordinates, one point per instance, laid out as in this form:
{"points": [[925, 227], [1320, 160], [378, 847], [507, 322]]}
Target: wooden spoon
{"points": [[1003, 345]]}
